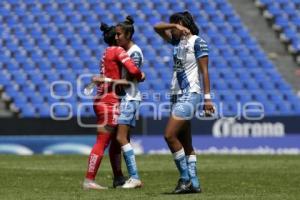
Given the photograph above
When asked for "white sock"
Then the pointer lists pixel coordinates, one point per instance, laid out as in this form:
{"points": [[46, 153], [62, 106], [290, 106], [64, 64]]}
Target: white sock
{"points": [[126, 147], [191, 158], [178, 154]]}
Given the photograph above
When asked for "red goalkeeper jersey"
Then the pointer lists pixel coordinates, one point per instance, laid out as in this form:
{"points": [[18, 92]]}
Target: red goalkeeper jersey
{"points": [[114, 58]]}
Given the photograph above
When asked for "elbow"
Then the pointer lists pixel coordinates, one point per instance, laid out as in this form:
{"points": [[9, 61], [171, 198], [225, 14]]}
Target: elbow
{"points": [[156, 26], [205, 73], [156, 29], [139, 77], [136, 73]]}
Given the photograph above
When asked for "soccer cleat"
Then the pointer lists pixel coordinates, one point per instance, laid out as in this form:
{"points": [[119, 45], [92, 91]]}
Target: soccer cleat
{"points": [[195, 189], [132, 183], [183, 187], [119, 181], [92, 185]]}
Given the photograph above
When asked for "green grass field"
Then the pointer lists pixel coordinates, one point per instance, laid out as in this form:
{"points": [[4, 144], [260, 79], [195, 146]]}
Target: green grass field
{"points": [[222, 177]]}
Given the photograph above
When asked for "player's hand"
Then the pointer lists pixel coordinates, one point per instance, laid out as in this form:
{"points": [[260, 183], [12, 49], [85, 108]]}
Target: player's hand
{"points": [[183, 29], [98, 79], [95, 79], [208, 108], [143, 77]]}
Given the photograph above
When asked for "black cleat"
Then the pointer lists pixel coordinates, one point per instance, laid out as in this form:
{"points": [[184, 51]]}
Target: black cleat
{"points": [[119, 181], [183, 187], [195, 189]]}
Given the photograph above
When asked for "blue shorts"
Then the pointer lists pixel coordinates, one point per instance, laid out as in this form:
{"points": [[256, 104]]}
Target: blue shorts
{"points": [[128, 111], [185, 105]]}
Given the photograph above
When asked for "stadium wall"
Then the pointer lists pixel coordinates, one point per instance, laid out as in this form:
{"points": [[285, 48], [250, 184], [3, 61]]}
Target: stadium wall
{"points": [[155, 144], [270, 135], [223, 127]]}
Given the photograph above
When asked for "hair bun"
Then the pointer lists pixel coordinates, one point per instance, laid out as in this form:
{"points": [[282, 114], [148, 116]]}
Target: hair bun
{"points": [[129, 20], [104, 27]]}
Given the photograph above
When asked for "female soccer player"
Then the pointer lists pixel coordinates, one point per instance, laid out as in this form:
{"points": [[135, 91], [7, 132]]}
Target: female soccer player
{"points": [[130, 101], [190, 62], [106, 107]]}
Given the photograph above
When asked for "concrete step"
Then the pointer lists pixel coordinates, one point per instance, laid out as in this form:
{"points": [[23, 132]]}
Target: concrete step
{"points": [[269, 41]]}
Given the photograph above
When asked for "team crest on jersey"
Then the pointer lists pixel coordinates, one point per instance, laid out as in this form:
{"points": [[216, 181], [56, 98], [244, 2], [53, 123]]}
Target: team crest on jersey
{"points": [[178, 64]]}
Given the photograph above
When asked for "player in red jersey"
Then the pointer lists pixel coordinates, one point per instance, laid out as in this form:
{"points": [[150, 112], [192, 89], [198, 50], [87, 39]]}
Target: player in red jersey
{"points": [[106, 105]]}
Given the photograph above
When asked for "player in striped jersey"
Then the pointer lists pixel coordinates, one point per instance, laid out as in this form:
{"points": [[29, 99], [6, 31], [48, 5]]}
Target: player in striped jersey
{"points": [[189, 71], [106, 105], [130, 101]]}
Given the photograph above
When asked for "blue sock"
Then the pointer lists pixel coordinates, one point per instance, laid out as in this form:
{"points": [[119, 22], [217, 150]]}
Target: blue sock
{"points": [[192, 169], [130, 160], [180, 161]]}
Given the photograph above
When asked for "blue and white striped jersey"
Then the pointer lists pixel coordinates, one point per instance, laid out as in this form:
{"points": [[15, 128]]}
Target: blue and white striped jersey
{"points": [[186, 74], [132, 92]]}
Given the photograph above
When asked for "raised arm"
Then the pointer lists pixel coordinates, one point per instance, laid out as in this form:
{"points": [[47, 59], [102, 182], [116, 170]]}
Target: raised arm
{"points": [[164, 30]]}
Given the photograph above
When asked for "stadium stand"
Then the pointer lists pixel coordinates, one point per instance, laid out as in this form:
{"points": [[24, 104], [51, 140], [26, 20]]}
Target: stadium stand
{"points": [[285, 17], [47, 41]]}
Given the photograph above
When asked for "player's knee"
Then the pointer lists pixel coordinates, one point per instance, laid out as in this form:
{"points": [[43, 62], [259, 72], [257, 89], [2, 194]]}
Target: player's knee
{"points": [[99, 151], [166, 138], [169, 137], [121, 139]]}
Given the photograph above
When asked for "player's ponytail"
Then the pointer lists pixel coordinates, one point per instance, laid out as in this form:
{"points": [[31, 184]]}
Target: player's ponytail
{"points": [[108, 34], [193, 27], [127, 26]]}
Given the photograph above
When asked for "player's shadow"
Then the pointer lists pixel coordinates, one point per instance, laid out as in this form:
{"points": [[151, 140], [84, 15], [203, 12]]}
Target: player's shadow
{"points": [[171, 193], [168, 193]]}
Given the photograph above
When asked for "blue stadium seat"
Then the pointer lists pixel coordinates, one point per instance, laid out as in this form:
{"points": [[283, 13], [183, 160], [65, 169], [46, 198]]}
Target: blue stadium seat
{"points": [[144, 87], [43, 110], [20, 99], [61, 111], [235, 84], [286, 17], [36, 99], [27, 110]]}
